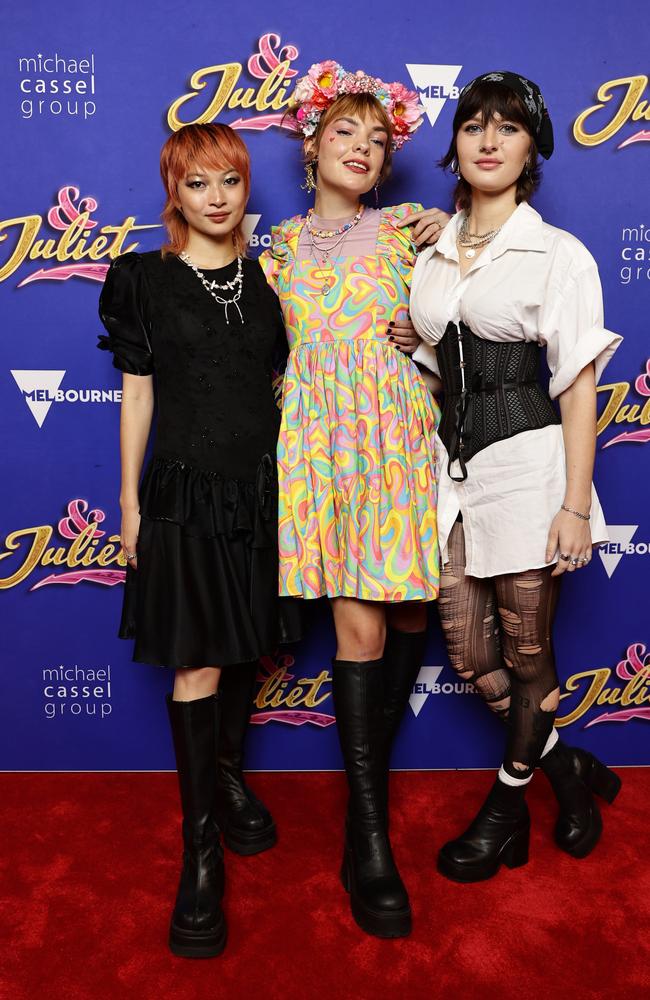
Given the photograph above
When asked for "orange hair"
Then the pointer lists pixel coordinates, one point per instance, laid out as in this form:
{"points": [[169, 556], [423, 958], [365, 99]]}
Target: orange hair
{"points": [[215, 146]]}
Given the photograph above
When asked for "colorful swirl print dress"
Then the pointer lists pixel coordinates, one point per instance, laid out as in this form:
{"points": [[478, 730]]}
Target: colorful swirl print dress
{"points": [[356, 451]]}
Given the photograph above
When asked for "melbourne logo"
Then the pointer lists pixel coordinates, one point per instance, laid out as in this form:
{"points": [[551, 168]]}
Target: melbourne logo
{"points": [[602, 121], [625, 689], [620, 544], [619, 408], [78, 247], [85, 552], [435, 85], [427, 684], [40, 389], [283, 697], [216, 89]]}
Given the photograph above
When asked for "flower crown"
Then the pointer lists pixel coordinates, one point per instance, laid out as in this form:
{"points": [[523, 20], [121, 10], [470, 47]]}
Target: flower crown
{"points": [[325, 81]]}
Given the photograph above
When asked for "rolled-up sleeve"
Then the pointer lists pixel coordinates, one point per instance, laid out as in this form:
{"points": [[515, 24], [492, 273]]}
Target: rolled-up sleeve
{"points": [[575, 334], [124, 309]]}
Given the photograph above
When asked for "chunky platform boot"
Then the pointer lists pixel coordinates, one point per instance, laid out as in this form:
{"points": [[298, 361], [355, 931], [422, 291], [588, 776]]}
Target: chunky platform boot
{"points": [[198, 925], [378, 898], [574, 774], [246, 823], [498, 835], [403, 656]]}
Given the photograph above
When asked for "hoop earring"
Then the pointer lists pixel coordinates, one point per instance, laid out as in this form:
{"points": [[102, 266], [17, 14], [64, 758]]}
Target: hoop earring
{"points": [[310, 179], [376, 189], [455, 168]]}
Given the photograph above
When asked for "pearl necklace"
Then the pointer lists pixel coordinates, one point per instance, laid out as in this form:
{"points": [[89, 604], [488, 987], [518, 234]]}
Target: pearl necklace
{"points": [[213, 288], [475, 240]]}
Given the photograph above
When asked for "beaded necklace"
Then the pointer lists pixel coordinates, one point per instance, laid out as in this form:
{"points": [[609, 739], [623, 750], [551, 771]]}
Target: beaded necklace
{"points": [[213, 288], [325, 271]]}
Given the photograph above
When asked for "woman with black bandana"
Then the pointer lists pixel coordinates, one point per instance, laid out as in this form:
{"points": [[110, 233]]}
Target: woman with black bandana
{"points": [[517, 508]]}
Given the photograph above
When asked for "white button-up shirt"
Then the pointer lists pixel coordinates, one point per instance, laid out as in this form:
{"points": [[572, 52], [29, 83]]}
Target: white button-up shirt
{"points": [[533, 282]]}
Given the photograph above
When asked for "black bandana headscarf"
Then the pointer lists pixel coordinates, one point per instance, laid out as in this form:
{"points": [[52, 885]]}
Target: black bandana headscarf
{"points": [[531, 96]]}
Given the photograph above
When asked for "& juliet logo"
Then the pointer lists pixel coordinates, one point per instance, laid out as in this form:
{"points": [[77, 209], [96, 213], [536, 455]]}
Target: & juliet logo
{"points": [[630, 108], [618, 409], [282, 698], [630, 690], [77, 250], [85, 554], [214, 90]]}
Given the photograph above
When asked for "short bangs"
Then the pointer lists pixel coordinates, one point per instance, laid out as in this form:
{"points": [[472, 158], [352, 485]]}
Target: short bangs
{"points": [[210, 146], [486, 100]]}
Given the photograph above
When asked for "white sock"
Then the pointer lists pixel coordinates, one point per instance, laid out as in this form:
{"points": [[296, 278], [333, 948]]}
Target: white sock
{"points": [[550, 743], [507, 779]]}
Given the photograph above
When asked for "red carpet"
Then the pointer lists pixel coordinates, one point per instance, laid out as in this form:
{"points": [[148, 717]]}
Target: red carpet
{"points": [[89, 867]]}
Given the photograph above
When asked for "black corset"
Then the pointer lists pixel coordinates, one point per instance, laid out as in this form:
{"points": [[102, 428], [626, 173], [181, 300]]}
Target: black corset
{"points": [[492, 392]]}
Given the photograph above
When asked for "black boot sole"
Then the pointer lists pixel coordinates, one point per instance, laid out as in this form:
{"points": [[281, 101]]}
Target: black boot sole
{"points": [[190, 944], [247, 844], [590, 838], [513, 854], [379, 923], [603, 782]]}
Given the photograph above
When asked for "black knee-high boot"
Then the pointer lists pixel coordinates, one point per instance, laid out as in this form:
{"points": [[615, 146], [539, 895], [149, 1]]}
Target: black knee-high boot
{"points": [[247, 825], [574, 774], [499, 834], [403, 656], [378, 897], [198, 926]]}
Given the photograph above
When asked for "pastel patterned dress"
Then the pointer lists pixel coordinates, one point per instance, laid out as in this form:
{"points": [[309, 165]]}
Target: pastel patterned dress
{"points": [[356, 451]]}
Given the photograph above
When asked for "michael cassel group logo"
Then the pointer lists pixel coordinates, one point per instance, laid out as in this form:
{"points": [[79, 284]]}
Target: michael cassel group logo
{"points": [[74, 691], [40, 389], [56, 86], [435, 85], [621, 543], [84, 553]]}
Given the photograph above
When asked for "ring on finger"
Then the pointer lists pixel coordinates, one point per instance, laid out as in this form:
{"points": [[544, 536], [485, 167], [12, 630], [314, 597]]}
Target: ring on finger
{"points": [[564, 557], [129, 555], [575, 561]]}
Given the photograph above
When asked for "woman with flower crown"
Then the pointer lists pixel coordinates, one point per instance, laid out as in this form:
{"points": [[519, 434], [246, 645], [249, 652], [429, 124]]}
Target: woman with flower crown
{"points": [[356, 463]]}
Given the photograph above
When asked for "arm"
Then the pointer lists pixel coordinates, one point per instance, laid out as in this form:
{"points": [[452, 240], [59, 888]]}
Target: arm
{"points": [[570, 534], [427, 225], [135, 423]]}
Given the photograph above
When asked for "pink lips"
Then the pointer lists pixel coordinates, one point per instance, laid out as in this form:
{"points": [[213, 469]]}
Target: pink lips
{"points": [[218, 218], [356, 169], [488, 164]]}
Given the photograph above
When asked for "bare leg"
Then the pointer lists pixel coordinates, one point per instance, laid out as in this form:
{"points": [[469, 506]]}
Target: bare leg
{"points": [[192, 683]]}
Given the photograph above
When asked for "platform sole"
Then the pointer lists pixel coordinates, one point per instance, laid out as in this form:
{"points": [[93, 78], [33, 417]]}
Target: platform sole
{"points": [[247, 844], [190, 944], [513, 854], [378, 923], [588, 841]]}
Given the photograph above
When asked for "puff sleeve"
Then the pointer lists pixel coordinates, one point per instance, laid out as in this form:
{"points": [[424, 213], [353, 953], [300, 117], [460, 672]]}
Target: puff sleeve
{"points": [[284, 239], [574, 331], [124, 309]]}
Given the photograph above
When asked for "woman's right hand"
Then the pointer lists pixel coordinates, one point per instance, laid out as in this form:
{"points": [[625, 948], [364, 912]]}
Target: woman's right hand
{"points": [[129, 536]]}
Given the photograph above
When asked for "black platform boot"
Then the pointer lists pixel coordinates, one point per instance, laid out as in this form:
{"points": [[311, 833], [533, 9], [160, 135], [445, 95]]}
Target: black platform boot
{"points": [[247, 825], [403, 656], [498, 835], [378, 898], [574, 774], [198, 925]]}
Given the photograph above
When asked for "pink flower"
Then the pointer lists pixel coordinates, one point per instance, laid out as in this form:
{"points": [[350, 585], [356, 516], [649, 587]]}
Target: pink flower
{"points": [[325, 78], [406, 105]]}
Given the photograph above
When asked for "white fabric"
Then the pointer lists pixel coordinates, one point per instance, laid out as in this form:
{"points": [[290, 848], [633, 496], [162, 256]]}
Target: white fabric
{"points": [[550, 743], [533, 282], [507, 779]]}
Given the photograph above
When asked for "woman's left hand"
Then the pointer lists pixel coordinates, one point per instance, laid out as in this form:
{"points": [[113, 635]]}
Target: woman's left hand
{"points": [[569, 539], [427, 225], [402, 335]]}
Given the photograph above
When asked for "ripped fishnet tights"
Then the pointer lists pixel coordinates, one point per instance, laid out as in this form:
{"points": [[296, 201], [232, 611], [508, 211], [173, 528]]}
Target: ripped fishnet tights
{"points": [[498, 636]]}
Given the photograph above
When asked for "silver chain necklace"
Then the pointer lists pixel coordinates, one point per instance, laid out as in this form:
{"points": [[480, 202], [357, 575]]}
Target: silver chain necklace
{"points": [[213, 288], [325, 253], [475, 241]]}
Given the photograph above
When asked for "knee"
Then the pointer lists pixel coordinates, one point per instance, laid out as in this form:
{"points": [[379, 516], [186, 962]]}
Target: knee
{"points": [[361, 642], [192, 683]]}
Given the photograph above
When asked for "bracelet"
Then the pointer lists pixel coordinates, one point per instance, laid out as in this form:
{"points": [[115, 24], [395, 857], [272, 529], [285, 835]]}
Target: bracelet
{"points": [[576, 513]]}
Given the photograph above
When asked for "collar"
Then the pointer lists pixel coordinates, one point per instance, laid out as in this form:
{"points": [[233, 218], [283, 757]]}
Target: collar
{"points": [[524, 230]]}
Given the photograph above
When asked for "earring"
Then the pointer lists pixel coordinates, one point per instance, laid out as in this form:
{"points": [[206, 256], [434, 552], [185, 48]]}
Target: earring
{"points": [[376, 195], [310, 179], [454, 167]]}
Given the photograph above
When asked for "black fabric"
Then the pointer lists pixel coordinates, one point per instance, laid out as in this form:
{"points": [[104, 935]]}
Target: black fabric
{"points": [[491, 392], [205, 591], [531, 96]]}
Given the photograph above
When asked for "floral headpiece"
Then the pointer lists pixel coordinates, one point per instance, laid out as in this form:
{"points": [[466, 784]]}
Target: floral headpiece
{"points": [[325, 81]]}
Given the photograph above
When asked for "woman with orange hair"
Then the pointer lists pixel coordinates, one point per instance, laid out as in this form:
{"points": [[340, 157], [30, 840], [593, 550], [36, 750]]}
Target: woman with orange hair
{"points": [[200, 533]]}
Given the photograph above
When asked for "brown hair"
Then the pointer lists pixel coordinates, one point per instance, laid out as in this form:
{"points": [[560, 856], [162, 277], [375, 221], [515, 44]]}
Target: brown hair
{"points": [[361, 105], [215, 146], [483, 101]]}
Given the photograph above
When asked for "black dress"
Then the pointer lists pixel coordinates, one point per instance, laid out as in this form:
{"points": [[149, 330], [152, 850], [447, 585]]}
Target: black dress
{"points": [[205, 590]]}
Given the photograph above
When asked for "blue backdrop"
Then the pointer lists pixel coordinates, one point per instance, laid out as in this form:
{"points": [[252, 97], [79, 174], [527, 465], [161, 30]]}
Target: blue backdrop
{"points": [[86, 95]]}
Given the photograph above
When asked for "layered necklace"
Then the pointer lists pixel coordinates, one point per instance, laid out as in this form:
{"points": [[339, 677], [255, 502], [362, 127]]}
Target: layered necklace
{"points": [[213, 288], [474, 241], [325, 272]]}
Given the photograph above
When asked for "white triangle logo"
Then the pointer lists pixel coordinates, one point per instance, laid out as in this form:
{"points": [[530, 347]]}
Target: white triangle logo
{"points": [[249, 225], [620, 536], [434, 84], [423, 687], [38, 390]]}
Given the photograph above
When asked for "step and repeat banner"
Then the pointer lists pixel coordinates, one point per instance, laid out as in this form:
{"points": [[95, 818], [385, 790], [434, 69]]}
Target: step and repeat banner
{"points": [[88, 94]]}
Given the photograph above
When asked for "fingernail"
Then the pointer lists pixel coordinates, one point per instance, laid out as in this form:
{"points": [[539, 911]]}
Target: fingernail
{"points": [[391, 338], [391, 324]]}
